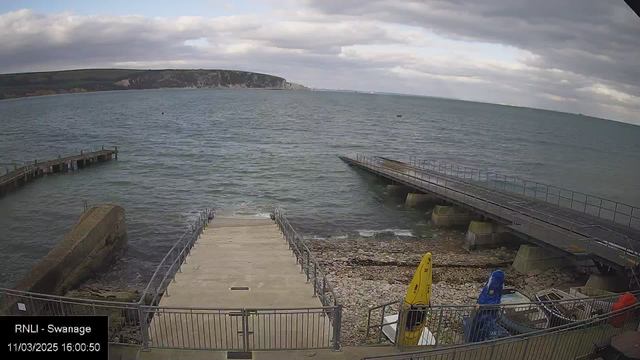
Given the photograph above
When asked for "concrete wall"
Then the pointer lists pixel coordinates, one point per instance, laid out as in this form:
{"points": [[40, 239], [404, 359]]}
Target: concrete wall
{"points": [[421, 200], [531, 257], [452, 216], [92, 244], [484, 233]]}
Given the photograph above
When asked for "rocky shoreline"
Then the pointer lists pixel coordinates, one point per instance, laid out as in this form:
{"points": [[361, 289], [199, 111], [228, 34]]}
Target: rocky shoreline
{"points": [[367, 272]]}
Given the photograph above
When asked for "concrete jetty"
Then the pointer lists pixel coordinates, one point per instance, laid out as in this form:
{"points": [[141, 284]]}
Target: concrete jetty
{"points": [[241, 278], [238, 253], [572, 224], [24, 174]]}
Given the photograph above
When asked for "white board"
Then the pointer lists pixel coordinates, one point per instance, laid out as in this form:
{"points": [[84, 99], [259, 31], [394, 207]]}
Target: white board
{"points": [[389, 330]]}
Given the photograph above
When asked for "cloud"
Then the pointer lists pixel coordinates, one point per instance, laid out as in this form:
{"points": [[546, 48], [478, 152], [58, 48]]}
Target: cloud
{"points": [[544, 55], [597, 41]]}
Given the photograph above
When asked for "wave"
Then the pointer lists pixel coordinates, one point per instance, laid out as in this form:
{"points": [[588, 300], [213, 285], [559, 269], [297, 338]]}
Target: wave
{"points": [[227, 214], [332, 237], [377, 233]]}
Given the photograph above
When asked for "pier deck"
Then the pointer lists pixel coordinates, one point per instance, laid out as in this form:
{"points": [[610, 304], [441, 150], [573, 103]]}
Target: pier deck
{"points": [[580, 235], [241, 278], [24, 174]]}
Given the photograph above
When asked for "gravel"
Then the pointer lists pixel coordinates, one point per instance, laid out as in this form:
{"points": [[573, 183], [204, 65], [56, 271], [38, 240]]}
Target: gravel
{"points": [[367, 272]]}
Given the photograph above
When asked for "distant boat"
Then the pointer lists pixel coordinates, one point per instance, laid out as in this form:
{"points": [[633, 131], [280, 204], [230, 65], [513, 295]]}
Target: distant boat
{"points": [[526, 318]]}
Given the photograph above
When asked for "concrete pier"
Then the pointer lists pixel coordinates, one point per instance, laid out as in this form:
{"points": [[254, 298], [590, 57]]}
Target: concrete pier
{"points": [[240, 252], [451, 216], [421, 200], [532, 257], [24, 174], [484, 234], [238, 268], [397, 190]]}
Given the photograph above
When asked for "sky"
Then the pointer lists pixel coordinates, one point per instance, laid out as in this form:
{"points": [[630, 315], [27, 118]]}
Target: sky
{"points": [[578, 56]]}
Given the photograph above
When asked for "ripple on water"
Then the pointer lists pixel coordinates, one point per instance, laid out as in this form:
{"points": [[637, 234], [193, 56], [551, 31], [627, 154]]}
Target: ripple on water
{"points": [[248, 150]]}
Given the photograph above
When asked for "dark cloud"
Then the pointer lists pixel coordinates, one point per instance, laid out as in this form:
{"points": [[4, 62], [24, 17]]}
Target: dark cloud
{"points": [[600, 39]]}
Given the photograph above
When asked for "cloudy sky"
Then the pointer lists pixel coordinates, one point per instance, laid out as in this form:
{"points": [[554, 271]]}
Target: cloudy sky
{"points": [[580, 56]]}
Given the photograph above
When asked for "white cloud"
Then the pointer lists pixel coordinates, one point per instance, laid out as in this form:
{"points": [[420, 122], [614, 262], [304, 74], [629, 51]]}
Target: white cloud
{"points": [[377, 45]]}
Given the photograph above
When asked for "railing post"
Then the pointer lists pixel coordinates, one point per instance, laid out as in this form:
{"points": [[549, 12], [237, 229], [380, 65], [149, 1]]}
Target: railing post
{"points": [[143, 327], [245, 330], [337, 327], [315, 279], [402, 314], [307, 272], [439, 328], [324, 290]]}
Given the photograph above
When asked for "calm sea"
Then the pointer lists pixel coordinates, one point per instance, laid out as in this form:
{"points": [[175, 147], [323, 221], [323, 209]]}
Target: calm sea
{"points": [[246, 150]]}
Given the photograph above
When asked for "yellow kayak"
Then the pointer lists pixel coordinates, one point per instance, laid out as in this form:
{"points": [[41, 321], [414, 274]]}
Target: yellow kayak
{"points": [[418, 297]]}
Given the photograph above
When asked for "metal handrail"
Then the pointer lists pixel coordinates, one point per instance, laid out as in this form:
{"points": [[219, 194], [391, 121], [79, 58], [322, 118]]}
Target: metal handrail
{"points": [[184, 243], [578, 325], [460, 307], [379, 163], [574, 226], [293, 239], [19, 172], [494, 178]]}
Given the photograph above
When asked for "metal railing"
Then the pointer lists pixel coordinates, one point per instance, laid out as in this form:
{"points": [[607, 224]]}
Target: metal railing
{"points": [[124, 318], [172, 262], [590, 204], [448, 325], [29, 167], [146, 324], [308, 263], [463, 192], [244, 329], [567, 341]]}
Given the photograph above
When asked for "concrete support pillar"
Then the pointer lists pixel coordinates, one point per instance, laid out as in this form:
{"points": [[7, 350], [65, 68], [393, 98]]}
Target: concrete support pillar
{"points": [[607, 282], [484, 233], [420, 200], [451, 216], [531, 257], [397, 190]]}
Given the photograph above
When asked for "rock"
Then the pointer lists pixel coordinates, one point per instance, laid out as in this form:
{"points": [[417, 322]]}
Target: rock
{"points": [[503, 248], [360, 251], [534, 272]]}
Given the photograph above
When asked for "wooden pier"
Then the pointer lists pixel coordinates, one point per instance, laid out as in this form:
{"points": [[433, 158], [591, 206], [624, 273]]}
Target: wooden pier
{"points": [[22, 175]]}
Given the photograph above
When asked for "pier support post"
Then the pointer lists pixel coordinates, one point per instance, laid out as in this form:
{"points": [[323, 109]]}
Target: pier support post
{"points": [[611, 283], [116, 153], [531, 257], [484, 233], [451, 216], [397, 190], [421, 200]]}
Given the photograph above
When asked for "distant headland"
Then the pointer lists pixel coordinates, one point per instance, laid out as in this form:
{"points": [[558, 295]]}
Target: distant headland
{"points": [[86, 80]]}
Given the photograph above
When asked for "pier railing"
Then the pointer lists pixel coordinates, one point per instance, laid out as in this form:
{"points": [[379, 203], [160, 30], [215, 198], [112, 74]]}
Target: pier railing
{"points": [[243, 329], [172, 262], [537, 226], [124, 318], [590, 204], [568, 341], [448, 325], [308, 263]]}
